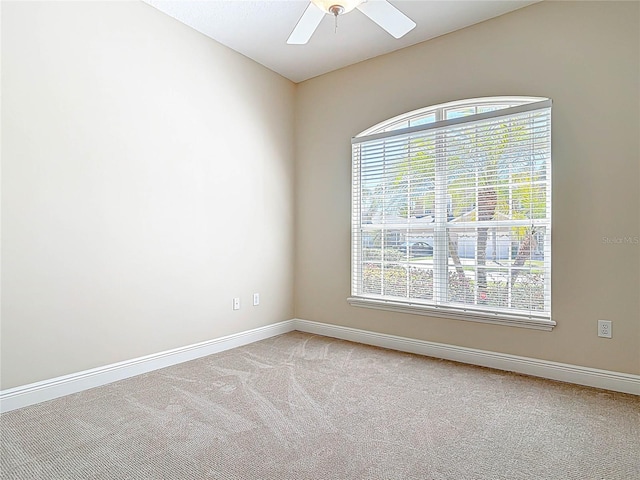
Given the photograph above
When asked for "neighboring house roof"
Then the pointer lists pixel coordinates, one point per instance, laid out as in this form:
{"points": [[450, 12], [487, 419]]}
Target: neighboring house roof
{"points": [[471, 216], [394, 219]]}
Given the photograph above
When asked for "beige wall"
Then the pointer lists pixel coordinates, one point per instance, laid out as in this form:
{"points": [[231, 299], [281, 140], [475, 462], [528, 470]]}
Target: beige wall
{"points": [[147, 179], [583, 55]]}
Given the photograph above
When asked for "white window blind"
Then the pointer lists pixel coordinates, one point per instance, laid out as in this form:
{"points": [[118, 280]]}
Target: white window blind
{"points": [[452, 216]]}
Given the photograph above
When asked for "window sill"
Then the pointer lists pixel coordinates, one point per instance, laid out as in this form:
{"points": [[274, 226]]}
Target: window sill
{"points": [[443, 312]]}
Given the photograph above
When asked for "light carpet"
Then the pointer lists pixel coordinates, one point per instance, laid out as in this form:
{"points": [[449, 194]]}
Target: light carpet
{"points": [[300, 406]]}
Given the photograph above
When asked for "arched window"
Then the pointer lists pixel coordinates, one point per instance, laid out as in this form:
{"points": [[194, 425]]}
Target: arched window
{"points": [[451, 212]]}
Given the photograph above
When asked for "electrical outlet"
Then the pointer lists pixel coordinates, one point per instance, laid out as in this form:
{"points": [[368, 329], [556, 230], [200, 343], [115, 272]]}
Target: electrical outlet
{"points": [[604, 328], [236, 304], [256, 299]]}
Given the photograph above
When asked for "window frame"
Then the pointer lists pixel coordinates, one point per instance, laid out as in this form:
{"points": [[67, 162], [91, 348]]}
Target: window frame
{"points": [[402, 125]]}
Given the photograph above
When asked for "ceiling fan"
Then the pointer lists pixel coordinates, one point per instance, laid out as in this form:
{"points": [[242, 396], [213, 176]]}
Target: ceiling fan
{"points": [[380, 11]]}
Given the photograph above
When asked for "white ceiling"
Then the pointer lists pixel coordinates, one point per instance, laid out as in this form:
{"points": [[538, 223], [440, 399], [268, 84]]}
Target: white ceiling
{"points": [[259, 29]]}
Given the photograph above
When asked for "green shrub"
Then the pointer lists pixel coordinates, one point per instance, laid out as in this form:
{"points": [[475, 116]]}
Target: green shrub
{"points": [[461, 289], [396, 277], [390, 255]]}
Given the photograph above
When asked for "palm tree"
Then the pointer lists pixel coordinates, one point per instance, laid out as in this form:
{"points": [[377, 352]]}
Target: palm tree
{"points": [[487, 202]]}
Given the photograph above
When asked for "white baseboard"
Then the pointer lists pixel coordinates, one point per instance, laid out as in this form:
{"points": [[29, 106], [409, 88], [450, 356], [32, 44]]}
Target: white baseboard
{"points": [[33, 393], [592, 377]]}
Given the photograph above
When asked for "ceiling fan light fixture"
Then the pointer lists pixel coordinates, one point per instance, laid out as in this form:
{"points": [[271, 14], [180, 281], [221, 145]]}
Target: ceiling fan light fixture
{"points": [[337, 7]]}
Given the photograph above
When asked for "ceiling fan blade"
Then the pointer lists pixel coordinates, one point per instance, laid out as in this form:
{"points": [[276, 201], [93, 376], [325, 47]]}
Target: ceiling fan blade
{"points": [[388, 17], [306, 25]]}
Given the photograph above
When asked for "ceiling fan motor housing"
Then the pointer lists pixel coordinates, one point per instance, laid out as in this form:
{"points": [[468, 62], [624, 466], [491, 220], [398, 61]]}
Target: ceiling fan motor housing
{"points": [[336, 9]]}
